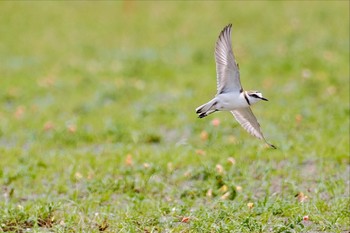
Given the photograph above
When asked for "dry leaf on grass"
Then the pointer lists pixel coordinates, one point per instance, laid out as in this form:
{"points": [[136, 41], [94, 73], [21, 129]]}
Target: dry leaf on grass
{"points": [[128, 160], [250, 205], [78, 176], [223, 188], [72, 128], [219, 168], [231, 160], [204, 135], [209, 193], [301, 197], [225, 196], [19, 112], [201, 152], [185, 219], [48, 126]]}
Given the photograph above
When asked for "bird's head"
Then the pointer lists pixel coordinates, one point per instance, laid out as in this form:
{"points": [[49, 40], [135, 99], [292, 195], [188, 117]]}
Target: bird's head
{"points": [[255, 96]]}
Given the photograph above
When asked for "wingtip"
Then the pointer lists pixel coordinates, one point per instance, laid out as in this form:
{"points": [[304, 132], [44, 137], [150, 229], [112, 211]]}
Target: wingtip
{"points": [[269, 145], [228, 27]]}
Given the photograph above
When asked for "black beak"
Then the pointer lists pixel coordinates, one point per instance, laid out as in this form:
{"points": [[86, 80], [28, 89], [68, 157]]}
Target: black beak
{"points": [[264, 99]]}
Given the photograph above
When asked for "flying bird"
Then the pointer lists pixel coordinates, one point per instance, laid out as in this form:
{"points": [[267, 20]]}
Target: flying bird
{"points": [[230, 95]]}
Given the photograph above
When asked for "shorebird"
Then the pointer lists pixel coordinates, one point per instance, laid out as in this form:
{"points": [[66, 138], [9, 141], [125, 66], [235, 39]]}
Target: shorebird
{"points": [[230, 94]]}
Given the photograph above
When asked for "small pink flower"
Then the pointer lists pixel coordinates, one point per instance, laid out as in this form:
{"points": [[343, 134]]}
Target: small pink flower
{"points": [[215, 122]]}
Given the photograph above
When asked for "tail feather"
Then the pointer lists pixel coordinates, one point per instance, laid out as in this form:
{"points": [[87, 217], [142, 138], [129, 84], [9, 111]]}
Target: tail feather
{"points": [[206, 109]]}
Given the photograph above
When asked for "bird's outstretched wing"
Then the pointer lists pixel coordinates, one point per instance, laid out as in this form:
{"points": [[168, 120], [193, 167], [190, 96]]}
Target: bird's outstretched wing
{"points": [[227, 72], [248, 121]]}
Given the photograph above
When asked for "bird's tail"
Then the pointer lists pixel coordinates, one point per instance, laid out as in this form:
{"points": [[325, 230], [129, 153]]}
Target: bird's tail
{"points": [[206, 109]]}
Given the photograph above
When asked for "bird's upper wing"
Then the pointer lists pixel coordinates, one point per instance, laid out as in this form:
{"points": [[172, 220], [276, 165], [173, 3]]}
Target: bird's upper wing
{"points": [[227, 71]]}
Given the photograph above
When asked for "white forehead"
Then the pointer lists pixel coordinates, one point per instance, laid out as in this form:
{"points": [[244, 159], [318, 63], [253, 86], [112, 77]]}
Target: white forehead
{"points": [[255, 92]]}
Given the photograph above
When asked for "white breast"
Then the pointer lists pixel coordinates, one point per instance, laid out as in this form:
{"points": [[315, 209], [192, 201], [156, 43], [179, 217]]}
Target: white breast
{"points": [[231, 101]]}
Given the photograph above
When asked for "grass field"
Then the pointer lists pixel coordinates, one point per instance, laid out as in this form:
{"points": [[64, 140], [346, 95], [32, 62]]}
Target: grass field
{"points": [[98, 130]]}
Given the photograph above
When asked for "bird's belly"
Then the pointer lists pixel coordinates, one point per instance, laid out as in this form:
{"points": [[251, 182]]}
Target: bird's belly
{"points": [[230, 102]]}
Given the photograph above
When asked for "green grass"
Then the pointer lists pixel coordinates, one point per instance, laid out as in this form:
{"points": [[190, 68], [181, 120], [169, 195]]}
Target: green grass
{"points": [[98, 130]]}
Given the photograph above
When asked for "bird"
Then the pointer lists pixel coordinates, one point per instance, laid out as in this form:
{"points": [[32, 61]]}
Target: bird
{"points": [[230, 95]]}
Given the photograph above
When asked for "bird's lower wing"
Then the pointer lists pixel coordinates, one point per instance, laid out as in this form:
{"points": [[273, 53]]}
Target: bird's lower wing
{"points": [[248, 121]]}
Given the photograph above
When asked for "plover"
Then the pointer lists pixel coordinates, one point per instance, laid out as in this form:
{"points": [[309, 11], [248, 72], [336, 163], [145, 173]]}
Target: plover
{"points": [[230, 94]]}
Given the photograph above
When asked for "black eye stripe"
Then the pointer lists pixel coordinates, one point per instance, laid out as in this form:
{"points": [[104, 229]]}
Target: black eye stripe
{"points": [[254, 95]]}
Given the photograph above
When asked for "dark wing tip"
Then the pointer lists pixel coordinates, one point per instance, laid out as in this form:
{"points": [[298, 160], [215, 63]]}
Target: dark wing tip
{"points": [[272, 146], [227, 28]]}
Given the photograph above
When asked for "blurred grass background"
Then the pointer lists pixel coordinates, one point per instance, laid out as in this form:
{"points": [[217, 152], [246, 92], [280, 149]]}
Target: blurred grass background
{"points": [[97, 122]]}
